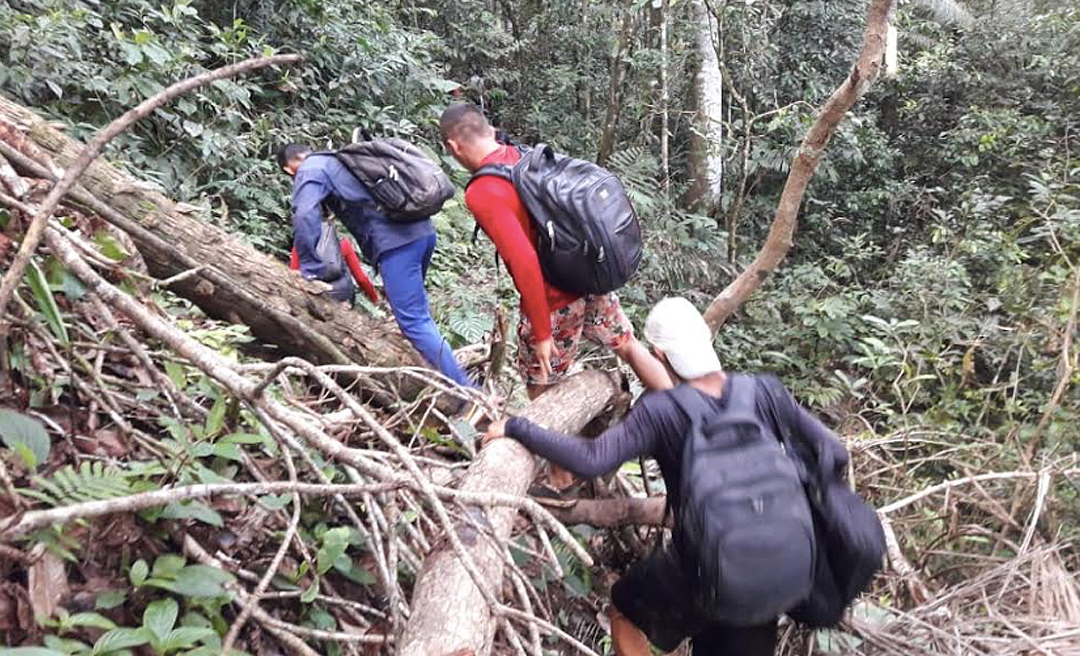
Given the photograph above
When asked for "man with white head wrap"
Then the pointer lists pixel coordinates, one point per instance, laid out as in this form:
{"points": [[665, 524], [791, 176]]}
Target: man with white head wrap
{"points": [[652, 598]]}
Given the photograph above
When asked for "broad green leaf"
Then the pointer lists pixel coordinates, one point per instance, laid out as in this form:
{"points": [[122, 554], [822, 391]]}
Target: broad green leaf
{"points": [[138, 572], [228, 450], [197, 581], [193, 510], [118, 639], [168, 566], [216, 419], [335, 542], [176, 374], [110, 599], [185, 636], [159, 618], [29, 651], [108, 246], [18, 430], [94, 620], [275, 501], [349, 569], [65, 645], [310, 593], [61, 280]]}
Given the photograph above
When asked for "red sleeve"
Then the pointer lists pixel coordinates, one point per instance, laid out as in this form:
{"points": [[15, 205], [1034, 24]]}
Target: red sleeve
{"points": [[358, 274], [491, 200], [294, 260]]}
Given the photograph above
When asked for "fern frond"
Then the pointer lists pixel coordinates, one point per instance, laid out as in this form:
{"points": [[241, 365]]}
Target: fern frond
{"points": [[90, 482]]}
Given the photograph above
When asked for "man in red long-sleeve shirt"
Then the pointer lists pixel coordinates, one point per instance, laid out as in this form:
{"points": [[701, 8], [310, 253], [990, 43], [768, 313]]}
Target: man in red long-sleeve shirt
{"points": [[553, 321]]}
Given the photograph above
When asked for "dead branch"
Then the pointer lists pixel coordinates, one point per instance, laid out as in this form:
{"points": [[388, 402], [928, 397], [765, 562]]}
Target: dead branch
{"points": [[19, 525], [608, 513]]}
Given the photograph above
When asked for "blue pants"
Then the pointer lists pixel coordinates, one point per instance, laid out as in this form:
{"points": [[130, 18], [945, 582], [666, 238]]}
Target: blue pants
{"points": [[403, 270]]}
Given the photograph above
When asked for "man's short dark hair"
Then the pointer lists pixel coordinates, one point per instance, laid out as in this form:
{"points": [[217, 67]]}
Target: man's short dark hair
{"points": [[463, 121], [289, 152]]}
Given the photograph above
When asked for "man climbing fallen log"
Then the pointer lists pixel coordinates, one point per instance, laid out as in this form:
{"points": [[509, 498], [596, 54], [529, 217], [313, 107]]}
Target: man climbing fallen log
{"points": [[554, 316], [401, 250], [735, 452]]}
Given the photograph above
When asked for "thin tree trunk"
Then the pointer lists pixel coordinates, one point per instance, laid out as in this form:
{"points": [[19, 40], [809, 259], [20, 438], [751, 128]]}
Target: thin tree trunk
{"points": [[892, 52], [448, 610], [813, 146], [706, 147], [232, 280], [615, 89], [665, 98]]}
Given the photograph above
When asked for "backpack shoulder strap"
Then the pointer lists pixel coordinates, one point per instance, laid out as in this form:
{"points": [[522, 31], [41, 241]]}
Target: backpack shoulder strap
{"points": [[497, 170], [742, 395], [690, 402]]}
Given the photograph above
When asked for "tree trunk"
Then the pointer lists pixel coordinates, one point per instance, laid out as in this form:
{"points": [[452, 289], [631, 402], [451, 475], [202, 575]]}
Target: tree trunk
{"points": [[706, 146], [665, 99], [613, 513], [778, 242], [236, 282], [615, 90], [448, 610]]}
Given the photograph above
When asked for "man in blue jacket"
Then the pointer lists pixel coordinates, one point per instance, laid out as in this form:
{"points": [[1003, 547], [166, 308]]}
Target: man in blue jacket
{"points": [[401, 251]]}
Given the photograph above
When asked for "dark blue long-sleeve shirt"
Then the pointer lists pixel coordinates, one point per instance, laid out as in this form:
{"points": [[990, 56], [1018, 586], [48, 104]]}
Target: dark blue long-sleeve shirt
{"points": [[323, 179]]}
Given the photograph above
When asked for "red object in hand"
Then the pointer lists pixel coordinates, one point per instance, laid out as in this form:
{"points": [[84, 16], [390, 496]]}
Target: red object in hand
{"points": [[353, 262]]}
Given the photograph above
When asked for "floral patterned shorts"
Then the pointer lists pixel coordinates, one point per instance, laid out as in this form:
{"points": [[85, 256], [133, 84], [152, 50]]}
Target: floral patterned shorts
{"points": [[598, 319]]}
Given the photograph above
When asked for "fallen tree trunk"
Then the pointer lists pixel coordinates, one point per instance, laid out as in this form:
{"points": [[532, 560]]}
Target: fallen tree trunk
{"points": [[231, 280], [448, 611], [612, 513]]}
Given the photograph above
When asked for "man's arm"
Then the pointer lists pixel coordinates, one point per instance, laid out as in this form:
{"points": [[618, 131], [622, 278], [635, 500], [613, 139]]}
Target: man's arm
{"points": [[309, 191], [636, 435], [490, 199]]}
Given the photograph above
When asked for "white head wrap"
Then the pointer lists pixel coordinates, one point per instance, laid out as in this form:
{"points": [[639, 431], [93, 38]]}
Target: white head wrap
{"points": [[676, 327]]}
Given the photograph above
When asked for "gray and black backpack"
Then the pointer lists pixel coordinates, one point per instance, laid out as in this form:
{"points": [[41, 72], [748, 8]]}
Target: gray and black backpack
{"points": [[743, 525], [589, 240], [406, 184]]}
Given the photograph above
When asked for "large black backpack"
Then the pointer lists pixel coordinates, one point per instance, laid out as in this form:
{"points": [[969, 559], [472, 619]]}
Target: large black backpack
{"points": [[850, 538], [589, 240], [743, 525], [404, 182]]}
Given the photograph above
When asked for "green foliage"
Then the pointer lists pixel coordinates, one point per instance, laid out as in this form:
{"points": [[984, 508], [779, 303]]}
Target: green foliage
{"points": [[94, 60], [25, 436], [92, 481]]}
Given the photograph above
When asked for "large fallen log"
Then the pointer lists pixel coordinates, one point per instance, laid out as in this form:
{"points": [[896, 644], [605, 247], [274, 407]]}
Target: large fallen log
{"points": [[449, 611], [231, 279]]}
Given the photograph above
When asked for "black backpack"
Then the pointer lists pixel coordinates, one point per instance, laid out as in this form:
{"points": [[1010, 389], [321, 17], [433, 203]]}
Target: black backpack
{"points": [[743, 526], [588, 234], [851, 541], [404, 182]]}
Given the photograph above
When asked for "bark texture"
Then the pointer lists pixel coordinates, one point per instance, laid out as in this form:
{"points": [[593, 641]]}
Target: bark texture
{"points": [[619, 67], [706, 156], [448, 610], [612, 513], [778, 242], [236, 282]]}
